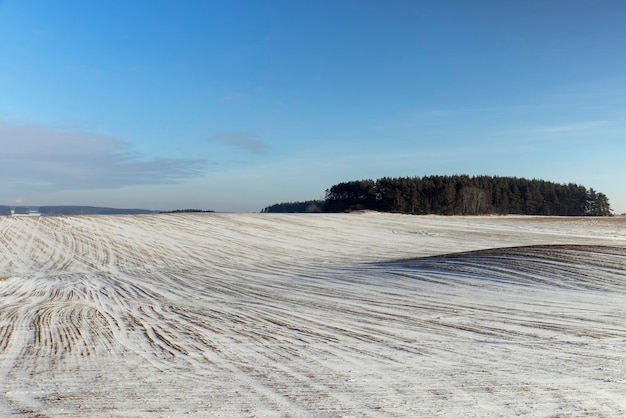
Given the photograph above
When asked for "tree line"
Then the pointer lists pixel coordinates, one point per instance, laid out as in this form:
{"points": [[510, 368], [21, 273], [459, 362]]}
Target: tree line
{"points": [[460, 195], [309, 206]]}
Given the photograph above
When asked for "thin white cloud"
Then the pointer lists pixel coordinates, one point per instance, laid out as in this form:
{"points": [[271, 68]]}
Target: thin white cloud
{"points": [[230, 98], [243, 141], [574, 127], [564, 131], [39, 158]]}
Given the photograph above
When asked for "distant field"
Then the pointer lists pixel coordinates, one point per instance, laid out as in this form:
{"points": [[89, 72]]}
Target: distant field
{"points": [[361, 314]]}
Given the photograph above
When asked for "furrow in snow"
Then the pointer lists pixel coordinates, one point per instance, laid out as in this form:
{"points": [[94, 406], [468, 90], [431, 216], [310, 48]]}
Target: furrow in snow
{"points": [[217, 314]]}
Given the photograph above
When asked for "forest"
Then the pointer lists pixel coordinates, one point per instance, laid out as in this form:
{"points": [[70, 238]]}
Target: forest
{"points": [[458, 195]]}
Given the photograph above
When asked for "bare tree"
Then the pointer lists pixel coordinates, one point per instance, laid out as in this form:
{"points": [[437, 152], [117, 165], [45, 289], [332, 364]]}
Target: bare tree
{"points": [[473, 201]]}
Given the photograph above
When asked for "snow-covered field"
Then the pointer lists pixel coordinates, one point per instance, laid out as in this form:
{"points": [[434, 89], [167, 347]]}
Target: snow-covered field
{"points": [[312, 315]]}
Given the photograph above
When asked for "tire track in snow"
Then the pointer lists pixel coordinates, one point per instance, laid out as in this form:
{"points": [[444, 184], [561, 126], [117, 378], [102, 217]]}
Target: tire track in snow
{"points": [[244, 314]]}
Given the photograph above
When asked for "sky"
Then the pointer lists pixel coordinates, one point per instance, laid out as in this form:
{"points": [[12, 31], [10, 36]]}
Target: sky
{"points": [[236, 105]]}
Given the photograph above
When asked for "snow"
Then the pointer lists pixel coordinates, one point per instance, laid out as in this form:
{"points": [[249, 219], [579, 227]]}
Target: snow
{"points": [[312, 315]]}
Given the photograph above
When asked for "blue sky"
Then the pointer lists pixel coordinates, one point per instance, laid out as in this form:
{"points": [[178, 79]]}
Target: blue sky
{"points": [[236, 105]]}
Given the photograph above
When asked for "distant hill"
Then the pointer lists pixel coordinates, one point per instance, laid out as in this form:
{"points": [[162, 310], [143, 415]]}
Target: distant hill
{"points": [[89, 210], [188, 211], [6, 210]]}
